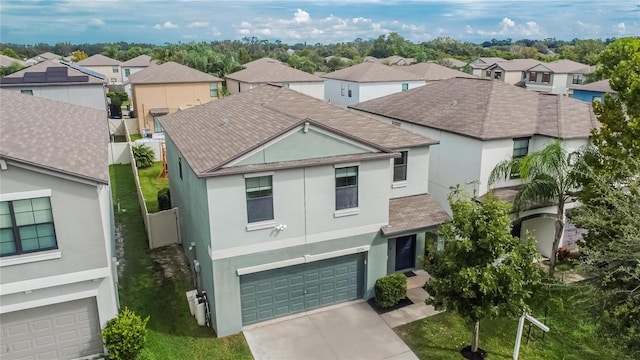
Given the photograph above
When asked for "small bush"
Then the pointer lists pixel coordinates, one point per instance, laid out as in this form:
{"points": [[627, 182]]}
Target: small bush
{"points": [[124, 335], [563, 254], [143, 155], [164, 199], [390, 290]]}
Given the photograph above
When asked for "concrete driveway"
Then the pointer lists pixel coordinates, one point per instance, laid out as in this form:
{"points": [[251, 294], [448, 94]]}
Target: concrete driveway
{"points": [[348, 332]]}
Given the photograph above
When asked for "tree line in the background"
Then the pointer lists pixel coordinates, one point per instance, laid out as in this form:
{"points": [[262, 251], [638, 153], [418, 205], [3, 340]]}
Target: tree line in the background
{"points": [[223, 57]]}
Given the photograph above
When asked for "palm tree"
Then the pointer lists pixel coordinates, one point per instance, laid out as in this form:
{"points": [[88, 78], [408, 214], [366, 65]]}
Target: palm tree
{"points": [[547, 177]]}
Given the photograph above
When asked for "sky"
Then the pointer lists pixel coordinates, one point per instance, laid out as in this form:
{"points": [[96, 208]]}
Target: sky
{"points": [[318, 21]]}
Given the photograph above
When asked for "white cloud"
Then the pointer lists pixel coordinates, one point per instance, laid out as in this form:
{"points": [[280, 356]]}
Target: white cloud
{"points": [[166, 25], [215, 31], [589, 28], [301, 16], [508, 27], [245, 24], [621, 28], [244, 31], [198, 24], [96, 22]]}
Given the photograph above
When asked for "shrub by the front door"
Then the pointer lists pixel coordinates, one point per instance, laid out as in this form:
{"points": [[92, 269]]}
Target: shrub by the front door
{"points": [[390, 290]]}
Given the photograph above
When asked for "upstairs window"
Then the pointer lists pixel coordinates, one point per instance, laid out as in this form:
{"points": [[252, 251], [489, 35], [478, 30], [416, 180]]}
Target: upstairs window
{"points": [[349, 93], [400, 167], [577, 79], [346, 187], [127, 72], [115, 69], [520, 150], [342, 89], [259, 198], [546, 78], [405, 86], [213, 89], [26, 226], [533, 76]]}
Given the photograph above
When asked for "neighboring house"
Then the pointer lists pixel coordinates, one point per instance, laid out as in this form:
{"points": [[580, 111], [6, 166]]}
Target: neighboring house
{"points": [[110, 68], [479, 65], [480, 122], [133, 66], [261, 61], [269, 71], [167, 88], [57, 258], [452, 63], [391, 60], [557, 77], [366, 81], [6, 61], [61, 81], [289, 204], [431, 72], [512, 71], [593, 91], [44, 57]]}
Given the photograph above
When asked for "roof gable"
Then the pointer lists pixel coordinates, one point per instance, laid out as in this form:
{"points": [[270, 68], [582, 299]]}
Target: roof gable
{"points": [[372, 72], [433, 71], [99, 60], [271, 71], [139, 61], [85, 157]]}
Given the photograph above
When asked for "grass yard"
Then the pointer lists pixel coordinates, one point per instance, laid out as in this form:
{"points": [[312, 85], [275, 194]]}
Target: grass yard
{"points": [[572, 333], [153, 283], [151, 184]]}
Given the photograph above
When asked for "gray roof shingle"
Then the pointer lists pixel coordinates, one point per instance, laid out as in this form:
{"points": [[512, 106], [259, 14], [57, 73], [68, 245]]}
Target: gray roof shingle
{"points": [[433, 71], [99, 60], [57, 136], [271, 71], [371, 72], [517, 64], [486, 109], [139, 61], [412, 214], [170, 72], [597, 86], [6, 61], [213, 134]]}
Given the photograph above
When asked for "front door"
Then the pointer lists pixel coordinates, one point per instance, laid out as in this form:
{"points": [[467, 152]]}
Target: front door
{"points": [[405, 252]]}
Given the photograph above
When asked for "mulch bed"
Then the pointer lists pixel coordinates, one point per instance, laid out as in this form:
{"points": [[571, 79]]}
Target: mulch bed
{"points": [[404, 302]]}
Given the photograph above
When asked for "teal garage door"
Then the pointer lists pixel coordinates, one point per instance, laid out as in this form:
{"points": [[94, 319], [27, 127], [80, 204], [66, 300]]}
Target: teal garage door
{"points": [[279, 292]]}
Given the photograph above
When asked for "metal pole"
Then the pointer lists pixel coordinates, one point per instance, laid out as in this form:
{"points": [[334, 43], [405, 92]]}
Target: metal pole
{"points": [[516, 349]]}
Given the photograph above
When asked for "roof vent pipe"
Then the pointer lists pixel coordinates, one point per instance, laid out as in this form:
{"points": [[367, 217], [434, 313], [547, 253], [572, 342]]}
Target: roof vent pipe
{"points": [[306, 127]]}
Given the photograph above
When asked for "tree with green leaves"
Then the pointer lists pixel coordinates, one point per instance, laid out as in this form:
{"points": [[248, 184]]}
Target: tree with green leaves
{"points": [[547, 177], [483, 271], [13, 67]]}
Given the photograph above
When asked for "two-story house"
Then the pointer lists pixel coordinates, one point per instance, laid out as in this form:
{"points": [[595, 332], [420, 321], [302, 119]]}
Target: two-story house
{"points": [[132, 66], [57, 257], [61, 81], [110, 68], [556, 77], [169, 87], [289, 204], [265, 71], [480, 122], [480, 65], [512, 71], [366, 81]]}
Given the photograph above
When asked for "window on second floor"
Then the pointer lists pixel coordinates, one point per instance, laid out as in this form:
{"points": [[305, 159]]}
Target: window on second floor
{"points": [[349, 93], [577, 79], [400, 167], [546, 78], [342, 89], [346, 187], [520, 150], [259, 198], [405, 86], [127, 72], [533, 76], [213, 89], [115, 69], [26, 226], [487, 74]]}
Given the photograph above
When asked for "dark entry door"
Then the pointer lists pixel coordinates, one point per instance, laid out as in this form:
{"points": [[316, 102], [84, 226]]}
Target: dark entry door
{"points": [[405, 252]]}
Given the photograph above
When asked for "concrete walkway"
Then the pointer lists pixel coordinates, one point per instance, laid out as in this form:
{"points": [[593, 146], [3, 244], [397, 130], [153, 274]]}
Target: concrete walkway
{"points": [[419, 310]]}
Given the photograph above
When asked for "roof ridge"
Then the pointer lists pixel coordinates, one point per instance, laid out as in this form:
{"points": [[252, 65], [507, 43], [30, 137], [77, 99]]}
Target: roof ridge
{"points": [[559, 115], [486, 109]]}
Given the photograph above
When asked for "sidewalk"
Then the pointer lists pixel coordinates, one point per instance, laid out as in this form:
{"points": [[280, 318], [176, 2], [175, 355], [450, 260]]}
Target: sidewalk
{"points": [[419, 310]]}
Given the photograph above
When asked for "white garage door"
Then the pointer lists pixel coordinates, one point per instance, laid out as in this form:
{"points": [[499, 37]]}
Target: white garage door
{"points": [[62, 331]]}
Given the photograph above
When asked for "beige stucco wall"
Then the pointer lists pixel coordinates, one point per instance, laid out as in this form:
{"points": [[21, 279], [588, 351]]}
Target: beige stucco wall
{"points": [[170, 96], [107, 71]]}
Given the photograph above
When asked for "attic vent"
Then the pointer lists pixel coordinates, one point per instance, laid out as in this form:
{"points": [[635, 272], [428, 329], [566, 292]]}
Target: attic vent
{"points": [[454, 103], [396, 123], [225, 122]]}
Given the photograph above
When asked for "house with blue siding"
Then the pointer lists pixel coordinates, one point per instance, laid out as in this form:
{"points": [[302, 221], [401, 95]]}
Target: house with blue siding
{"points": [[593, 91], [288, 204]]}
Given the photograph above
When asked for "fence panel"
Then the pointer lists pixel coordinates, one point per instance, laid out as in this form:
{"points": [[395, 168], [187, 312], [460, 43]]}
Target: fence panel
{"points": [[163, 228]]}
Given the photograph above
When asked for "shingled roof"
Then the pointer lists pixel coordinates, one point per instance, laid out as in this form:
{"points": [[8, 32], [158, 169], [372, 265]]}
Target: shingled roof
{"points": [[139, 61], [433, 71], [412, 214], [53, 135], [51, 75], [372, 72], [271, 71], [486, 109], [170, 72], [213, 134], [597, 86], [517, 64], [99, 60]]}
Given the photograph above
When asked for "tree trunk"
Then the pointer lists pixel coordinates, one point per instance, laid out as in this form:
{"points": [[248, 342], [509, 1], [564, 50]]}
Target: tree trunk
{"points": [[474, 340], [559, 228]]}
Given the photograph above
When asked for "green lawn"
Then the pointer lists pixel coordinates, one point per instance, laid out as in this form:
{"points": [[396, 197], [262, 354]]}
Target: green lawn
{"points": [[154, 284], [572, 333], [151, 184], [135, 137]]}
